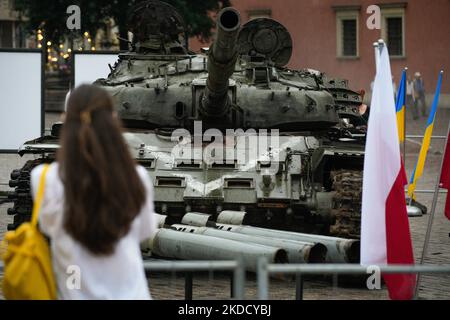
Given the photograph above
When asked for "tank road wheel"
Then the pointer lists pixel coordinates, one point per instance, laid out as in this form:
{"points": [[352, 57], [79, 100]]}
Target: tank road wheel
{"points": [[23, 202], [347, 203]]}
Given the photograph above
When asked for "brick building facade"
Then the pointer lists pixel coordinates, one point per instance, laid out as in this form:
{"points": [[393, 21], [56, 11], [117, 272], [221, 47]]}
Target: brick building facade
{"points": [[332, 36]]}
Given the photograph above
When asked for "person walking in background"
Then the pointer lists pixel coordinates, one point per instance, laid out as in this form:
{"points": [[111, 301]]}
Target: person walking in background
{"points": [[410, 100], [419, 94], [97, 206]]}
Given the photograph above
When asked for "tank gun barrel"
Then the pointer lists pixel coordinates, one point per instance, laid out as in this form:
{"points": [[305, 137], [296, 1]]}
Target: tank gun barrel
{"points": [[221, 61]]}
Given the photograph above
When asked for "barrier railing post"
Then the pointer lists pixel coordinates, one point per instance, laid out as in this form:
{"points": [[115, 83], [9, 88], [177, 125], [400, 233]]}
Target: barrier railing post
{"points": [[188, 282], [298, 286], [263, 279], [238, 284], [335, 281], [190, 267], [232, 277]]}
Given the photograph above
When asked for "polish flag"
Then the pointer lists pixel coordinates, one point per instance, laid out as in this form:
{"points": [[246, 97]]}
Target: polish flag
{"points": [[385, 235]]}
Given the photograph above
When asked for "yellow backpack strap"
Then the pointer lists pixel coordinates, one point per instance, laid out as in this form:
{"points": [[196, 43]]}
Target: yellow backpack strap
{"points": [[39, 196]]}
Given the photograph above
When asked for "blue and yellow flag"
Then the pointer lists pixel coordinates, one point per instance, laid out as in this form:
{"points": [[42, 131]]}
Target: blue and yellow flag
{"points": [[418, 170], [400, 107]]}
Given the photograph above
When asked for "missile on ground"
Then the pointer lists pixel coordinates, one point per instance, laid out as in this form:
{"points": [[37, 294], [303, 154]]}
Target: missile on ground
{"points": [[297, 251], [189, 246], [339, 250]]}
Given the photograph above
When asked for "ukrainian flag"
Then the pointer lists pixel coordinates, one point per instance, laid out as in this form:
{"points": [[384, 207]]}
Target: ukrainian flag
{"points": [[418, 170], [400, 107]]}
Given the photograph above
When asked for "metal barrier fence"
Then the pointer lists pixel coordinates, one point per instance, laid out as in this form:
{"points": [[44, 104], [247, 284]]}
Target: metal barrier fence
{"points": [[265, 270], [189, 267], [427, 191], [414, 136]]}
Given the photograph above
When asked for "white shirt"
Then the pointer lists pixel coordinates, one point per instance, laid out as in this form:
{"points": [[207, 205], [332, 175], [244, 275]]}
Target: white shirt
{"points": [[117, 276], [410, 88]]}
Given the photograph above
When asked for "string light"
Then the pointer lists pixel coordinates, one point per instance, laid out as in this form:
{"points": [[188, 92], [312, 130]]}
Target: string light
{"points": [[39, 37], [49, 43]]}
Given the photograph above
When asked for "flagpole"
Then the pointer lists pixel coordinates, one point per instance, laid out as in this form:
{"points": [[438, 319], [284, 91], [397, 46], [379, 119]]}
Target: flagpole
{"points": [[431, 218], [380, 48], [404, 116], [377, 54], [426, 141]]}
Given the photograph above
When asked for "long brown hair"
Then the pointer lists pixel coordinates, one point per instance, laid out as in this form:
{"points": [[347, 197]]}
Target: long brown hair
{"points": [[103, 192]]}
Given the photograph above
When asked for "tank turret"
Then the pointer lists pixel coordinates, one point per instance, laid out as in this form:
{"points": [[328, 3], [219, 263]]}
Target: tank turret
{"points": [[173, 102], [222, 58]]}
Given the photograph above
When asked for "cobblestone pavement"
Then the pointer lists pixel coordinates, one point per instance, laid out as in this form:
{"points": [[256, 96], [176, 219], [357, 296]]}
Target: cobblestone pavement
{"points": [[217, 285]]}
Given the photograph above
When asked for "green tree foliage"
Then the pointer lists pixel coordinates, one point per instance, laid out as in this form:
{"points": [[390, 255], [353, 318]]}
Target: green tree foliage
{"points": [[51, 16]]}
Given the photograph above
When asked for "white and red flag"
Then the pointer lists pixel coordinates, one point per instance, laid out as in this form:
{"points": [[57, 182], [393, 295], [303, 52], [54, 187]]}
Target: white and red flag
{"points": [[385, 235]]}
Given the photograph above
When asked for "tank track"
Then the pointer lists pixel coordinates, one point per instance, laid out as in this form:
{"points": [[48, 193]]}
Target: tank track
{"points": [[23, 202], [346, 206]]}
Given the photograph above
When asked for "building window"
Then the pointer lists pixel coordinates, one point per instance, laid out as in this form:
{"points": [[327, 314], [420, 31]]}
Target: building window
{"points": [[349, 37], [347, 34], [393, 30], [6, 34], [395, 36]]}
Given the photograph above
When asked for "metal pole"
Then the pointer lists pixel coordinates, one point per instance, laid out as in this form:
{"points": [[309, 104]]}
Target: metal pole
{"points": [[381, 44], [232, 277], [298, 286], [377, 58], [430, 219], [404, 131], [377, 55], [428, 191], [263, 279], [188, 265], [188, 282], [404, 116], [239, 280], [352, 268], [416, 136], [335, 281]]}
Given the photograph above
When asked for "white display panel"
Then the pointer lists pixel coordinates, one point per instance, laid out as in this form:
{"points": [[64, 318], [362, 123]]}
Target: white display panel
{"points": [[90, 67], [21, 109]]}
